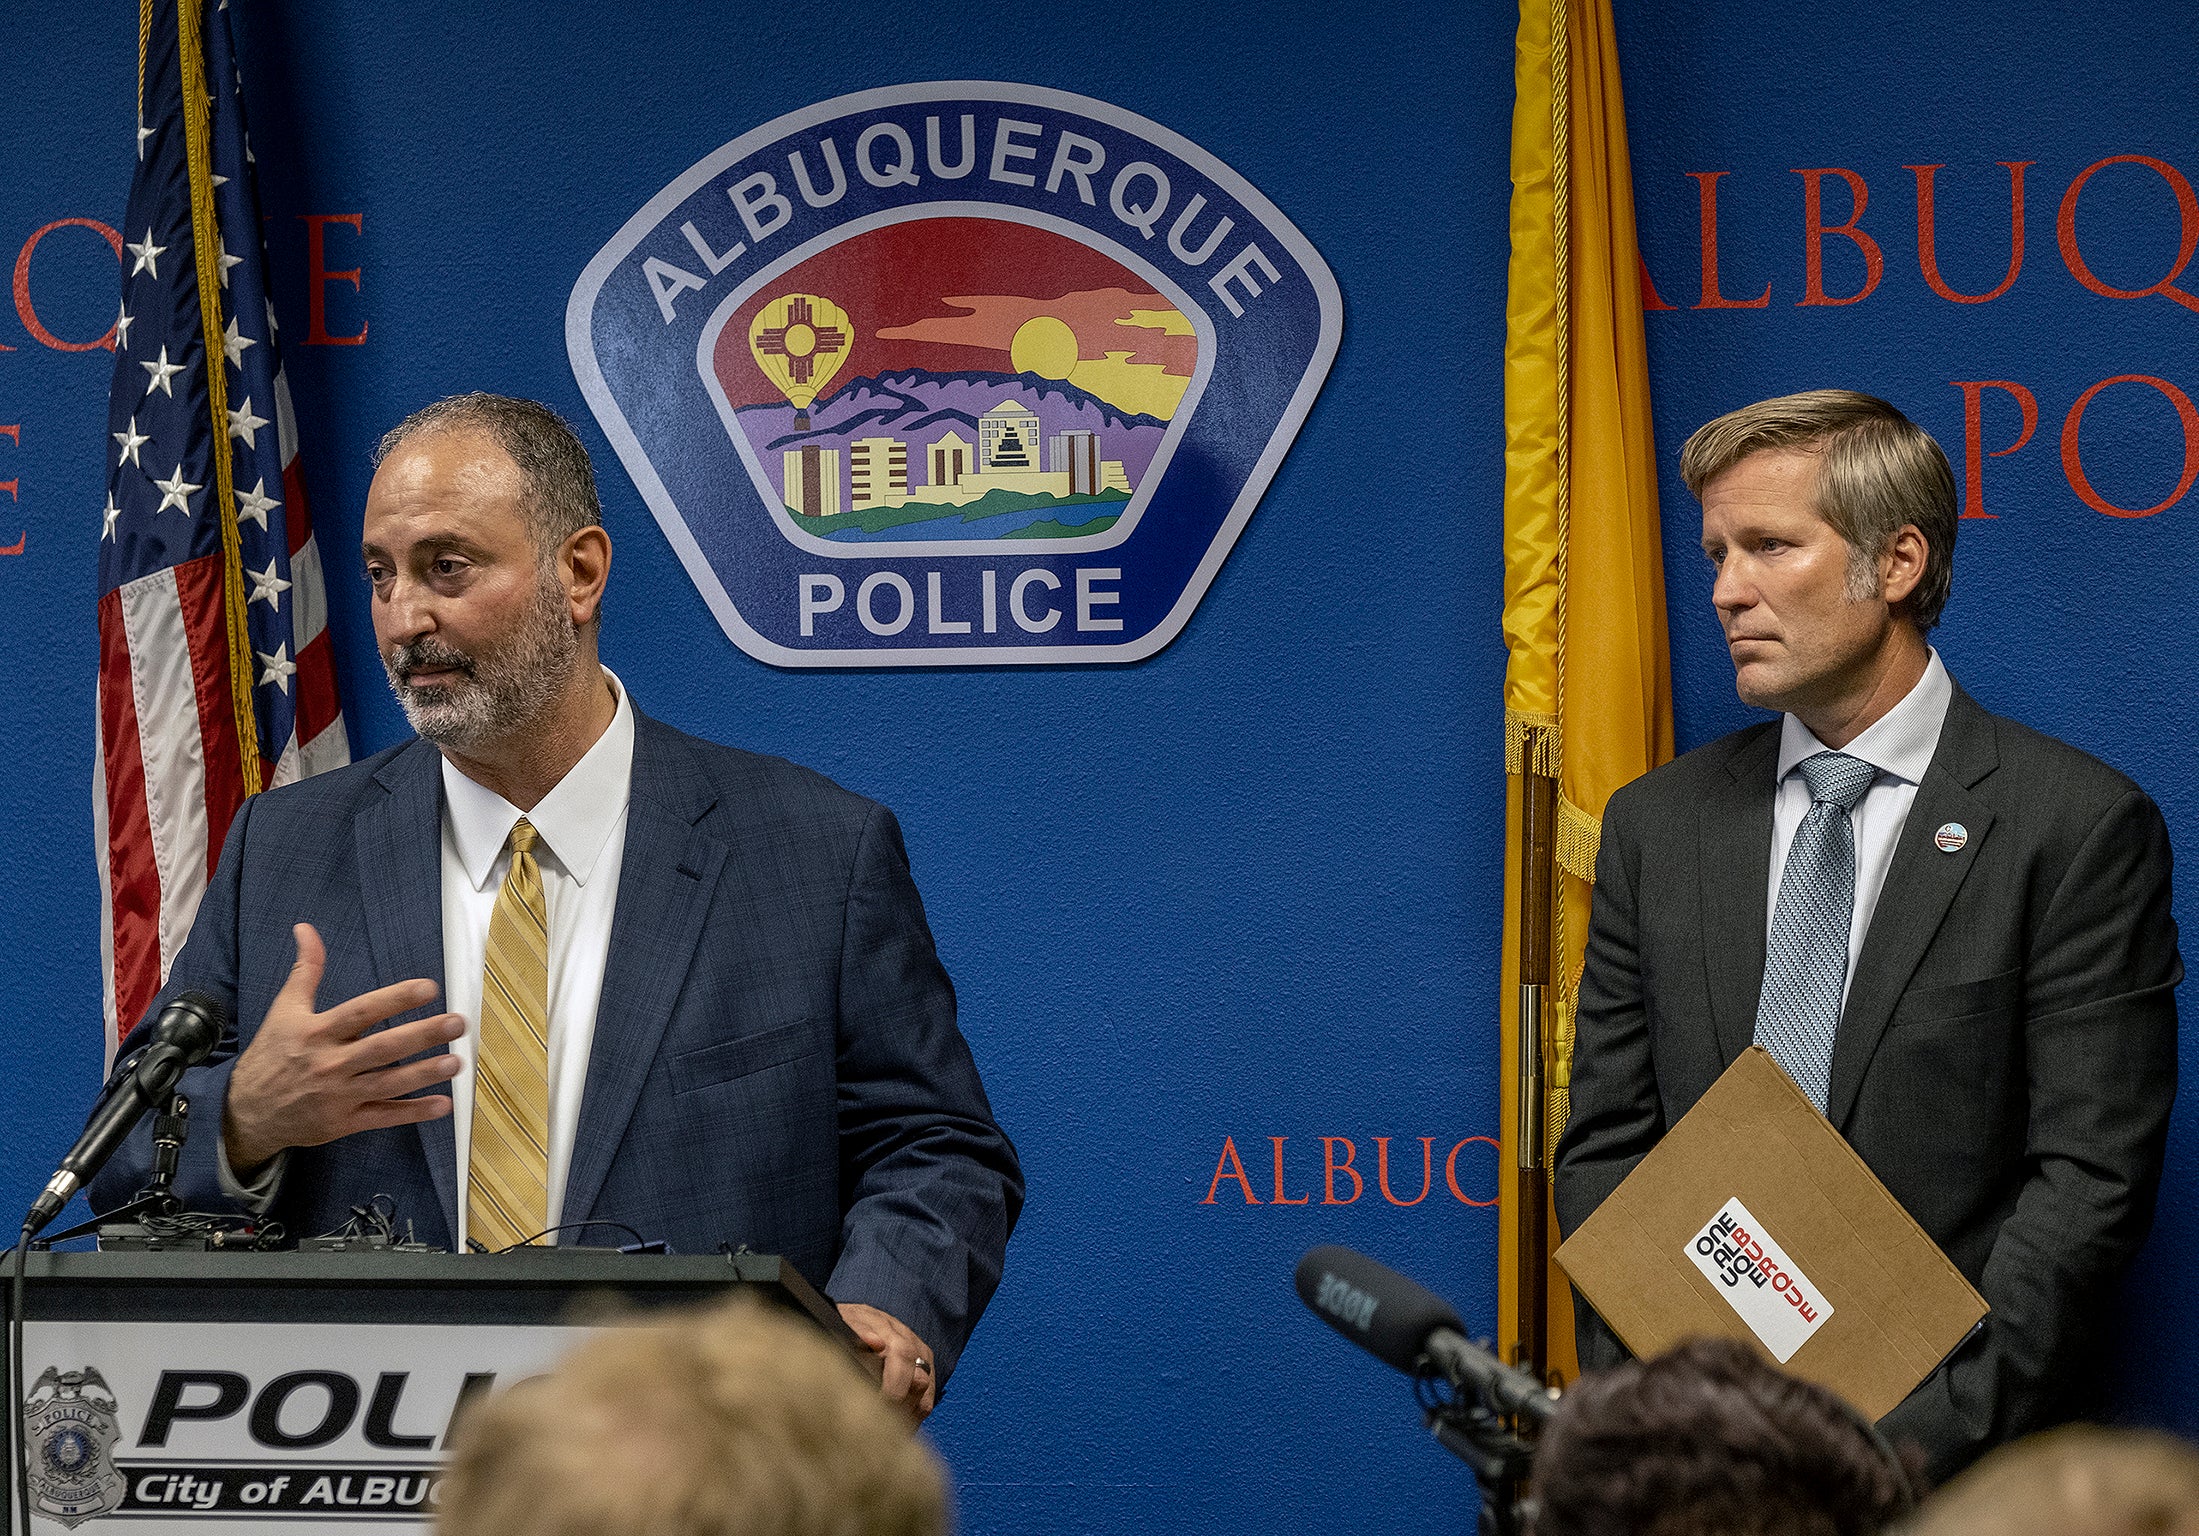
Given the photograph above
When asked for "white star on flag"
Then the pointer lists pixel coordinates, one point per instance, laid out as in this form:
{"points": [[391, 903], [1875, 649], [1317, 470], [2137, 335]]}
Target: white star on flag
{"points": [[245, 426], [233, 343], [123, 321], [223, 259], [221, 181], [254, 505], [162, 372], [272, 327], [148, 255], [266, 584], [278, 668], [143, 133], [175, 491], [107, 528], [131, 440]]}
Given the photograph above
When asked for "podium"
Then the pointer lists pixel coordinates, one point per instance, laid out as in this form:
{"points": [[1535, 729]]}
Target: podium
{"points": [[300, 1392]]}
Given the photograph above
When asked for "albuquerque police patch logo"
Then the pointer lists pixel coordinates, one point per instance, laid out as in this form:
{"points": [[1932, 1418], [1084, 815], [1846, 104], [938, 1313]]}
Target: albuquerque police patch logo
{"points": [[69, 1431], [954, 374]]}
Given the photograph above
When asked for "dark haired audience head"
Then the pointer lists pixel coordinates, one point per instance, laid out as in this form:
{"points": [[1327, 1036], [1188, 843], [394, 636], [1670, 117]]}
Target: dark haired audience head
{"points": [[1708, 1440]]}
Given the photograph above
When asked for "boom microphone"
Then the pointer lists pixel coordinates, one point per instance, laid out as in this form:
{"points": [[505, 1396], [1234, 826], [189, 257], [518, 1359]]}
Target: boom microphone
{"points": [[1405, 1325], [189, 1029]]}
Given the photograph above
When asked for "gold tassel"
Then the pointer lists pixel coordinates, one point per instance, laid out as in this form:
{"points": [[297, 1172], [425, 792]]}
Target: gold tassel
{"points": [[1560, 1098], [1530, 743], [1579, 835]]}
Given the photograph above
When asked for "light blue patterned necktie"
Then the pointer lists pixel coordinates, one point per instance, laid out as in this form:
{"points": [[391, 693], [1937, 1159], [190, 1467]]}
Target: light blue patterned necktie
{"points": [[1806, 962]]}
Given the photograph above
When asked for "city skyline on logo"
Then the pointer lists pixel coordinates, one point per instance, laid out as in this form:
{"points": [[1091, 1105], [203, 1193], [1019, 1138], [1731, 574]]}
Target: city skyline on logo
{"points": [[955, 378]]}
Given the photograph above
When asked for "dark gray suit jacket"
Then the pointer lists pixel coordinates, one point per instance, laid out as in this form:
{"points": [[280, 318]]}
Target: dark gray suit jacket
{"points": [[775, 1061], [2006, 1061]]}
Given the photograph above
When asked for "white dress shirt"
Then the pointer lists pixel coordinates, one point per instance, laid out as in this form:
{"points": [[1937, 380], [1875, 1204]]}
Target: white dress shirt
{"points": [[582, 845], [1899, 745]]}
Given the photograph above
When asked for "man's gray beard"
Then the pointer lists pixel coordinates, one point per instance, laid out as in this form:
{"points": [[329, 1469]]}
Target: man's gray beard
{"points": [[503, 690]]}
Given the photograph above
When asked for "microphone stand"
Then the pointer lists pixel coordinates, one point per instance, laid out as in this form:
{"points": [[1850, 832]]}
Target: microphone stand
{"points": [[171, 1125], [157, 1200], [1500, 1461], [1480, 1424]]}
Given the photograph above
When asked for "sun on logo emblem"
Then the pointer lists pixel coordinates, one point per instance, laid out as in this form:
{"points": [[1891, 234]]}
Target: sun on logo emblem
{"points": [[69, 1428]]}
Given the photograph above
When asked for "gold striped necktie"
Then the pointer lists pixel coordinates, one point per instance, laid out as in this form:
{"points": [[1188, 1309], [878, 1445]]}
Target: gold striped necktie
{"points": [[508, 1166]]}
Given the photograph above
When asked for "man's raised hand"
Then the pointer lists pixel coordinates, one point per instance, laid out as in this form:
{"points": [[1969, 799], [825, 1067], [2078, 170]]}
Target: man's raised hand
{"points": [[308, 1078]]}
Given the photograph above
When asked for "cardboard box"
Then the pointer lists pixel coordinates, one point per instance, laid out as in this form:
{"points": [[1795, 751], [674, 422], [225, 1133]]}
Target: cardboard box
{"points": [[1754, 1219]]}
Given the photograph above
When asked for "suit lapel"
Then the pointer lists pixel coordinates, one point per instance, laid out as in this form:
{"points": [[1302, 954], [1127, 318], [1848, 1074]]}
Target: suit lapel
{"points": [[1920, 886], [1736, 887], [398, 841], [667, 875]]}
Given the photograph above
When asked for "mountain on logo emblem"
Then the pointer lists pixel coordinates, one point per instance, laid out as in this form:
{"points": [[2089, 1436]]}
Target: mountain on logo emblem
{"points": [[954, 374]]}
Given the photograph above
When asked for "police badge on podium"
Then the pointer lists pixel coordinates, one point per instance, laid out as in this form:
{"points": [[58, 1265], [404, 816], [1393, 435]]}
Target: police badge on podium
{"points": [[70, 1432]]}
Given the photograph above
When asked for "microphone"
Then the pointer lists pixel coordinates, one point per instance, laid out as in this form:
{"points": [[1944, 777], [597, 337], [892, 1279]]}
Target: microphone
{"points": [[186, 1034], [1405, 1325]]}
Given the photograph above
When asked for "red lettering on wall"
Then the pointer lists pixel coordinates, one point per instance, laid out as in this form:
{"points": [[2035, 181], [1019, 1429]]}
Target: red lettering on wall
{"points": [[1927, 243], [1230, 1166], [1330, 1168], [1382, 1169], [2187, 208], [1450, 1168], [1651, 299], [1712, 298], [1340, 1167], [1973, 435], [15, 432], [2073, 464], [23, 307], [1815, 229], [1279, 1198], [318, 277]]}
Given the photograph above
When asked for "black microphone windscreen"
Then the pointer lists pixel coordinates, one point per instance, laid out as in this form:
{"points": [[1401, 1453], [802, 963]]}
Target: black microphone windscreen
{"points": [[192, 1023], [1373, 1305]]}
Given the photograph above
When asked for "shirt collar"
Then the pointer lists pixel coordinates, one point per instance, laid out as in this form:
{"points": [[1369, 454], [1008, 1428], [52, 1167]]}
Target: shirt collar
{"points": [[1899, 744], [574, 820]]}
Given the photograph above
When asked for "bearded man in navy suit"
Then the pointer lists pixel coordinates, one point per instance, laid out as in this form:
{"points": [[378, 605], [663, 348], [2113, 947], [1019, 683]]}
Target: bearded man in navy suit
{"points": [[682, 988]]}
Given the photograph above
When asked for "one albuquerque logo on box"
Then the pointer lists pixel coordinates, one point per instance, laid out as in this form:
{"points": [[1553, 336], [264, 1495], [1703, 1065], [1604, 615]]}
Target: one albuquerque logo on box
{"points": [[954, 374], [1777, 1301]]}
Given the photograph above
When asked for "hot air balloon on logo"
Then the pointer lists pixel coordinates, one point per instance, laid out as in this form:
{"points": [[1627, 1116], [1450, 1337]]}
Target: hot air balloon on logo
{"points": [[799, 341]]}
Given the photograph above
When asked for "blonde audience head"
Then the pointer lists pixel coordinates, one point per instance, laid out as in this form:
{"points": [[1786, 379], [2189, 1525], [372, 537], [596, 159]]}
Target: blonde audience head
{"points": [[740, 1419], [2079, 1481]]}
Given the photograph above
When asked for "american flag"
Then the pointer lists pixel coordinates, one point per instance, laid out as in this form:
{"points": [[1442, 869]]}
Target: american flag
{"points": [[216, 678]]}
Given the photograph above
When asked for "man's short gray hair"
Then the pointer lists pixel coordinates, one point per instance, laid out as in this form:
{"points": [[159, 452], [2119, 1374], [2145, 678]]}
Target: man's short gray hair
{"points": [[1878, 471], [560, 497]]}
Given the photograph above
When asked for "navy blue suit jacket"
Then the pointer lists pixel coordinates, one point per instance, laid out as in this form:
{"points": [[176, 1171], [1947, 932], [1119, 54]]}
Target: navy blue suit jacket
{"points": [[776, 1060]]}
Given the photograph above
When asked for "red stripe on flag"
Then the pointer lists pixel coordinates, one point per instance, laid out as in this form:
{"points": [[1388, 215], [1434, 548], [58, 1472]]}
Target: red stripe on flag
{"points": [[132, 876], [297, 517], [199, 589], [315, 687]]}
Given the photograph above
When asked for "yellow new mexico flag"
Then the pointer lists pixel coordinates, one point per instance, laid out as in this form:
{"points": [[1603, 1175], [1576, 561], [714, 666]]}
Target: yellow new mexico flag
{"points": [[1587, 693]]}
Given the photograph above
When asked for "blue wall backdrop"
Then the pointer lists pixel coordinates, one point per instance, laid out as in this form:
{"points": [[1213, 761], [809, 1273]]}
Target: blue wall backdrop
{"points": [[1244, 890], [1247, 889]]}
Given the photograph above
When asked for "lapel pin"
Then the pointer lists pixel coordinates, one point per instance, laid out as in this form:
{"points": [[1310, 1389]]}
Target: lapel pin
{"points": [[1951, 837]]}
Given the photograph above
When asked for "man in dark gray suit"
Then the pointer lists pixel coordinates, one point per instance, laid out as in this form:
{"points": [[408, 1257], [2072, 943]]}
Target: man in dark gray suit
{"points": [[1952, 932], [683, 989]]}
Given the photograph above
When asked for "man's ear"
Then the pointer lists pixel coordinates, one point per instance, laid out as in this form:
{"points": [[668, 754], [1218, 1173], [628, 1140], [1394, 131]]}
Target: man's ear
{"points": [[584, 565], [1901, 564]]}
